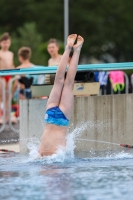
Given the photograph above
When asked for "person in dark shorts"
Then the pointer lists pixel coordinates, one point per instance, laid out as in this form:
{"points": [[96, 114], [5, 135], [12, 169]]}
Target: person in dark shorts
{"points": [[25, 81]]}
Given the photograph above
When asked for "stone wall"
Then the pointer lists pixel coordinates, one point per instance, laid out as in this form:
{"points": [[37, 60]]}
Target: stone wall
{"points": [[97, 121]]}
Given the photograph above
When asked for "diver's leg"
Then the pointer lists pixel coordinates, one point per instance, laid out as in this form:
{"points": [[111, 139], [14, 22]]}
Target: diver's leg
{"points": [[67, 98], [55, 95]]}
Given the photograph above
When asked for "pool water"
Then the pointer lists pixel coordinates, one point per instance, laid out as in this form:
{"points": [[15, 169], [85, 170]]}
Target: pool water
{"points": [[80, 177], [67, 176]]}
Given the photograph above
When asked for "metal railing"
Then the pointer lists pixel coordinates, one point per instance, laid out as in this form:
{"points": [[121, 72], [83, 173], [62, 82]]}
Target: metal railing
{"points": [[10, 83], [131, 78], [4, 105], [126, 85]]}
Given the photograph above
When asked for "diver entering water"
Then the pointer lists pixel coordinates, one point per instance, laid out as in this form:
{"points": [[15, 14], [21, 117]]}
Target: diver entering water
{"points": [[61, 99]]}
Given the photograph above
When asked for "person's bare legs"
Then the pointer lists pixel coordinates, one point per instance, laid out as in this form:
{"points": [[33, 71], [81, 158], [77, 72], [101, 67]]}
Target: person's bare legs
{"points": [[67, 98], [55, 95], [55, 136], [4, 83], [7, 107]]}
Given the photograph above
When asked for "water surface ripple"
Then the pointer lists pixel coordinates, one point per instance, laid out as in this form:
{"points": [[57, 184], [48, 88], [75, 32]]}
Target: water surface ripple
{"points": [[96, 177]]}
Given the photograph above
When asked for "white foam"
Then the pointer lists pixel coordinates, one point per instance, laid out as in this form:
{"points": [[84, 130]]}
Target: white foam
{"points": [[121, 155], [33, 146], [67, 153], [62, 154]]}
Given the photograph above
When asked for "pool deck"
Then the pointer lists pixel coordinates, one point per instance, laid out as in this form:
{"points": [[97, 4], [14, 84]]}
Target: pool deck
{"points": [[9, 139], [11, 147]]}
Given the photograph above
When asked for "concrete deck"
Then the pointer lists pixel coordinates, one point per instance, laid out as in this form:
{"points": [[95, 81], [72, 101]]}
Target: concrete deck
{"points": [[7, 136], [10, 147]]}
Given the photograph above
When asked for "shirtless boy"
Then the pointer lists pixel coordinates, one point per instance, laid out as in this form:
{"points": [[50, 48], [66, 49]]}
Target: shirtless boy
{"points": [[6, 62], [60, 102], [53, 49], [24, 55]]}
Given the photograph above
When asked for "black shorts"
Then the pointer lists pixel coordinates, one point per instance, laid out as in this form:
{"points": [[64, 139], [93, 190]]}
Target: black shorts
{"points": [[26, 92]]}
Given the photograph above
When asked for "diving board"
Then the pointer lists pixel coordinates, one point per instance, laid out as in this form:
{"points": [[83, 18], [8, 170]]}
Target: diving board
{"points": [[52, 70]]}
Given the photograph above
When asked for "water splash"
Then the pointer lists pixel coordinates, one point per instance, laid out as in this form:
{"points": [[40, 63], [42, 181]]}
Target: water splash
{"points": [[120, 155], [71, 138], [33, 145], [62, 154]]}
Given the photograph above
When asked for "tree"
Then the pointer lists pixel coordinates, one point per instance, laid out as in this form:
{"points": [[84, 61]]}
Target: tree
{"points": [[102, 23], [28, 36], [106, 25]]}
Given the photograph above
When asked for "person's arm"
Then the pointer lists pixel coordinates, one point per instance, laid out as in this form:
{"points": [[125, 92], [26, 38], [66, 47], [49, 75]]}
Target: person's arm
{"points": [[14, 88], [15, 85], [0, 60], [12, 66], [49, 62]]}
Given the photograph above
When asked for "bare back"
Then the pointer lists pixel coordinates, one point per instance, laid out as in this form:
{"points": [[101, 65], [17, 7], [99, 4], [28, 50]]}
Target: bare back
{"points": [[25, 65], [6, 60], [53, 137]]}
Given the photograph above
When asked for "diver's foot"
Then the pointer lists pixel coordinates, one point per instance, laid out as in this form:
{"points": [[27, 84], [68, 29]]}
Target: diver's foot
{"points": [[70, 41], [78, 45]]}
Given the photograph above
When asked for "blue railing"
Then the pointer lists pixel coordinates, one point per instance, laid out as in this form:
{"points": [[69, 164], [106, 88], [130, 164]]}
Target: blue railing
{"points": [[53, 69]]}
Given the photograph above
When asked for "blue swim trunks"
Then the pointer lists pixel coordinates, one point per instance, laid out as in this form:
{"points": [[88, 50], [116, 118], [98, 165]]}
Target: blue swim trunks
{"points": [[56, 116]]}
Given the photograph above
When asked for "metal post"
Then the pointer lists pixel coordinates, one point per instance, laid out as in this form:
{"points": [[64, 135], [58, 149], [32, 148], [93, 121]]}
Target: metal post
{"points": [[126, 83], [66, 20], [132, 82], [10, 104], [4, 105]]}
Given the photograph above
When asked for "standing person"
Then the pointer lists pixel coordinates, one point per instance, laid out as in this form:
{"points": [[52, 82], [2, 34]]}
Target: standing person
{"points": [[53, 50], [60, 103], [24, 55], [6, 62]]}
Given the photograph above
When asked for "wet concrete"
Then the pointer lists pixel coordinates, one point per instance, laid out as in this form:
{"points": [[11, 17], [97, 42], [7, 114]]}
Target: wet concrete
{"points": [[8, 136]]}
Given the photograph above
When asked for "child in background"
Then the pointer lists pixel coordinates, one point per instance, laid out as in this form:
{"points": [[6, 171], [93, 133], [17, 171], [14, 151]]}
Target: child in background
{"points": [[6, 62], [53, 49], [6, 56], [24, 55]]}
